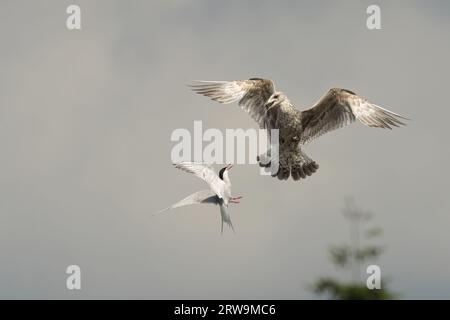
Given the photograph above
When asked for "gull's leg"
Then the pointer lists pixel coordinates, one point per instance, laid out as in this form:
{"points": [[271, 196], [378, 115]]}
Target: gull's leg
{"points": [[264, 159]]}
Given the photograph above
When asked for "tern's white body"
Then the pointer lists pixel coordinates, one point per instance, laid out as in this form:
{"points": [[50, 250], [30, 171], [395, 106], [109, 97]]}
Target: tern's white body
{"points": [[219, 192]]}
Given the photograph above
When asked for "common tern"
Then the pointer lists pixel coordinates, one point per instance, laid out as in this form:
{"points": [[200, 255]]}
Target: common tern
{"points": [[219, 192]]}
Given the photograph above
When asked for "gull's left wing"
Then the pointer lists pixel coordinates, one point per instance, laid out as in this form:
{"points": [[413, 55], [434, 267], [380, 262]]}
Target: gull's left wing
{"points": [[340, 107]]}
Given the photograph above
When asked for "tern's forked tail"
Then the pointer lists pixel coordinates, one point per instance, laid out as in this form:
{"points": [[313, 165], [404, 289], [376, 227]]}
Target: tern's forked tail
{"points": [[225, 218]]}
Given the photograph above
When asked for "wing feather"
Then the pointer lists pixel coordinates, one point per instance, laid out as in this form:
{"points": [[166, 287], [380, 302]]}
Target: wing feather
{"points": [[205, 173], [251, 94], [340, 107], [199, 197]]}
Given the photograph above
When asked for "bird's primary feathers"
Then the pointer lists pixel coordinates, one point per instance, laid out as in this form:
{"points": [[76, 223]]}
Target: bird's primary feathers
{"points": [[273, 110], [218, 194]]}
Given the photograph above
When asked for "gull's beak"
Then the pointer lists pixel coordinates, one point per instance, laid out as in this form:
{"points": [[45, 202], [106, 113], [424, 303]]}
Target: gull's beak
{"points": [[229, 166], [270, 103]]}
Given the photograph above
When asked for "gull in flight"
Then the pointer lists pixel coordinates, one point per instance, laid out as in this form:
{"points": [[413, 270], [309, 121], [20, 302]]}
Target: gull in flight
{"points": [[271, 109], [219, 192]]}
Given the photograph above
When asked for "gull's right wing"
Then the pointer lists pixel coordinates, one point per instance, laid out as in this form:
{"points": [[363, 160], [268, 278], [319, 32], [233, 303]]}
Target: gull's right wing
{"points": [[251, 94]]}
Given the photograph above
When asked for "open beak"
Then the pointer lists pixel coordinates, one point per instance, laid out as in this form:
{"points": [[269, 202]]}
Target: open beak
{"points": [[229, 166], [269, 102]]}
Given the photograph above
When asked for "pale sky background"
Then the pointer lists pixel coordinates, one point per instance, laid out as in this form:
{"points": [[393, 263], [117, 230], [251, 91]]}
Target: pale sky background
{"points": [[85, 124]]}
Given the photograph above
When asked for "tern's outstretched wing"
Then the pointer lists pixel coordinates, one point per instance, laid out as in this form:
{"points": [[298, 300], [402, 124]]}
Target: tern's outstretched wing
{"points": [[204, 196], [340, 107], [205, 173]]}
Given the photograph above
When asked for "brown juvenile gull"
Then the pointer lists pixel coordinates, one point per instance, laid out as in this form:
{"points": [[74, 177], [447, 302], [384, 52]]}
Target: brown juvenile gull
{"points": [[271, 109]]}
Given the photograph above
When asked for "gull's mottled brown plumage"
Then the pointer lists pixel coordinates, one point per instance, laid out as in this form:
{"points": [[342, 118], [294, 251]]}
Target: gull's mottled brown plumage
{"points": [[273, 110]]}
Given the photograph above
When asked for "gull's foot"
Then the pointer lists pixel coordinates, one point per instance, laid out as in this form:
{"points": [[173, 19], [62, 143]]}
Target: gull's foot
{"points": [[264, 159]]}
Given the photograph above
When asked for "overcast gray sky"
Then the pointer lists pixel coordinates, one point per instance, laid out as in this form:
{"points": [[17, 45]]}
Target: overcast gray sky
{"points": [[85, 124]]}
